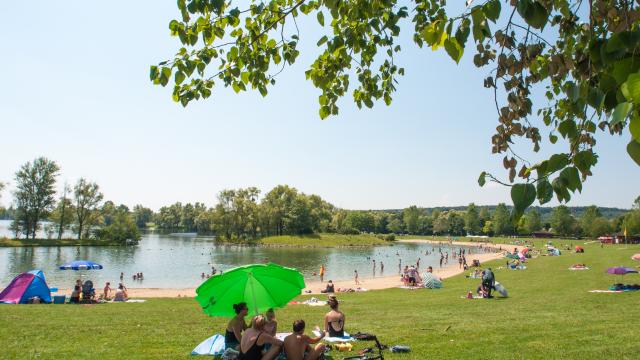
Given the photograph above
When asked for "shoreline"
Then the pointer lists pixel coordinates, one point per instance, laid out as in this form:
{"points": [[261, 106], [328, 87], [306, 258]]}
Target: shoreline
{"points": [[369, 283]]}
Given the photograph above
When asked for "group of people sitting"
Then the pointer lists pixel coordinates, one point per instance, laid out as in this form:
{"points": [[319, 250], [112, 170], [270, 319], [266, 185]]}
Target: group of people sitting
{"points": [[259, 341], [85, 293]]}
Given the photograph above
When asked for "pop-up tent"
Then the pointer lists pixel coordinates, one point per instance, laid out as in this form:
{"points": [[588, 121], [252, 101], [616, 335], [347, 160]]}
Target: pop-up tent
{"points": [[25, 286]]}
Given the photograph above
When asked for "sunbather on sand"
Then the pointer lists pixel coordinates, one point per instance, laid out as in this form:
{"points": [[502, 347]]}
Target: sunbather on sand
{"points": [[233, 333], [254, 340], [297, 346], [334, 319]]}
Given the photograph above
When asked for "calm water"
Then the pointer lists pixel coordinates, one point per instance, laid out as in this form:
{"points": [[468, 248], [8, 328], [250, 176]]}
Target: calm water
{"points": [[174, 261]]}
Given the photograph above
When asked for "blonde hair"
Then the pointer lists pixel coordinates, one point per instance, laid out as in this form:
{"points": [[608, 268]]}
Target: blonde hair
{"points": [[258, 321]]}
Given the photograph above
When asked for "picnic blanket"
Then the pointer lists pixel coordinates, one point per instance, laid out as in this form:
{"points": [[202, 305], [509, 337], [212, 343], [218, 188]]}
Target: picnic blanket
{"points": [[345, 338]]}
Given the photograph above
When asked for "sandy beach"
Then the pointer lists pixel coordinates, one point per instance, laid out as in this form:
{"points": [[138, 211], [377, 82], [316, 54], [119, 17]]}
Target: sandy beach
{"points": [[370, 283]]}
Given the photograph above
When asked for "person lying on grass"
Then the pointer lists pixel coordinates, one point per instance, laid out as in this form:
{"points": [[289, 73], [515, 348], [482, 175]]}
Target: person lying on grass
{"points": [[297, 346], [334, 319], [254, 340], [233, 333]]}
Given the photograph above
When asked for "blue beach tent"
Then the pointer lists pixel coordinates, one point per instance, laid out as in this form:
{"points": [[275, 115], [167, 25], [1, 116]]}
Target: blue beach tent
{"points": [[25, 286]]}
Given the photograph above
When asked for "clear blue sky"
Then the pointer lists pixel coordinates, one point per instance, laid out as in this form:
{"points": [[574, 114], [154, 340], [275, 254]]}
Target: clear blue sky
{"points": [[76, 90]]}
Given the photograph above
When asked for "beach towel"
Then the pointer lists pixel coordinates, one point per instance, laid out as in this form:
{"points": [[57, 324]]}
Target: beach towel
{"points": [[345, 338], [314, 302], [583, 268], [211, 346], [605, 291], [409, 287], [281, 336]]}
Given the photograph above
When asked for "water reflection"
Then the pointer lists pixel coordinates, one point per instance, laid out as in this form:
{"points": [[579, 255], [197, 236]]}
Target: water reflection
{"points": [[170, 261]]}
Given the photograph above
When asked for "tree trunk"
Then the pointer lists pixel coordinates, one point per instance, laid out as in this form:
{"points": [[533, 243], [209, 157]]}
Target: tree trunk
{"points": [[60, 229], [80, 225]]}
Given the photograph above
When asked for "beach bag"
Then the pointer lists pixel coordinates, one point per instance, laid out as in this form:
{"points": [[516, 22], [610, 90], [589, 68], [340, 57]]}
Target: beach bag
{"points": [[400, 349], [363, 336]]}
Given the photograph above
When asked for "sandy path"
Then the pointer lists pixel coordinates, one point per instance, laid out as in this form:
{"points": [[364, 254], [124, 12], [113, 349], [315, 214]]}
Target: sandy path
{"points": [[370, 283]]}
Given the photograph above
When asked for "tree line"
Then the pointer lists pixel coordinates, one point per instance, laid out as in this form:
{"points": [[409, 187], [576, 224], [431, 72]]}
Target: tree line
{"points": [[78, 208], [243, 214]]}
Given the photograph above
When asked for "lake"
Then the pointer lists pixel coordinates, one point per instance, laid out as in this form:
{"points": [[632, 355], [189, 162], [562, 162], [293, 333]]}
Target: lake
{"points": [[177, 261]]}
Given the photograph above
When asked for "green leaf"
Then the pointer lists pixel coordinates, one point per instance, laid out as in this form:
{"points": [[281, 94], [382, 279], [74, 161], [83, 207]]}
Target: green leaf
{"points": [[631, 88], [544, 191], [236, 87], [560, 188], [584, 160], [633, 148], [634, 127], [553, 138], [482, 178], [453, 48], [522, 195], [534, 13], [620, 113], [568, 128], [320, 17], [492, 10], [322, 40], [179, 77], [153, 72], [557, 162], [245, 77], [572, 178], [324, 111]]}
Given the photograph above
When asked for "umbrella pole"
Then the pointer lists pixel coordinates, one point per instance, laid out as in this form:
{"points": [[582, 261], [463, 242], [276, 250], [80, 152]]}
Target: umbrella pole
{"points": [[253, 294]]}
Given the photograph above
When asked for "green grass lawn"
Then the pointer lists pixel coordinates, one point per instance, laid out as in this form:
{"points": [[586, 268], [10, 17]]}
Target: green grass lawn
{"points": [[549, 315], [323, 240], [5, 242]]}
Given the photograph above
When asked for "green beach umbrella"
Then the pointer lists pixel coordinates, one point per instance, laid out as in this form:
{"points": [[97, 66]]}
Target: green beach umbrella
{"points": [[261, 286]]}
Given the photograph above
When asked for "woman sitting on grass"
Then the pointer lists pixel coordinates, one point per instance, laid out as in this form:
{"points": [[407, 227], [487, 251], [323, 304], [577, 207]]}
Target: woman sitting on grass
{"points": [[236, 326], [121, 293], [254, 340], [75, 295], [334, 319]]}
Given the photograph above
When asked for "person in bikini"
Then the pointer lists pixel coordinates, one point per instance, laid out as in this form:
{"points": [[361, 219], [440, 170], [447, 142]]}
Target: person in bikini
{"points": [[297, 346], [334, 319], [254, 339], [233, 333]]}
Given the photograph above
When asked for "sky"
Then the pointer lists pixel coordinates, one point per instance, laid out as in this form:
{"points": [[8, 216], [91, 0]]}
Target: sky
{"points": [[76, 90]]}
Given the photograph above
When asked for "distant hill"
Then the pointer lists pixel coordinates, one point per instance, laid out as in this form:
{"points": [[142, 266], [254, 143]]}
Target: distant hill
{"points": [[545, 211]]}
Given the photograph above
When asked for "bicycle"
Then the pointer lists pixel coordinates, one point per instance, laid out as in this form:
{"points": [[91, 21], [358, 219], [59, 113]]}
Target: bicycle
{"points": [[370, 355]]}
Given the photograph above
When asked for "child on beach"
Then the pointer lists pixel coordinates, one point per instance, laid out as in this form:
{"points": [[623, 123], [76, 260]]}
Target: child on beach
{"points": [[271, 326], [107, 289], [356, 277]]}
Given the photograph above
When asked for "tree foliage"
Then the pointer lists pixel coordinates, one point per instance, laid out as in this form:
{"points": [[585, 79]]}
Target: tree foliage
{"points": [[581, 55], [87, 197], [35, 194]]}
